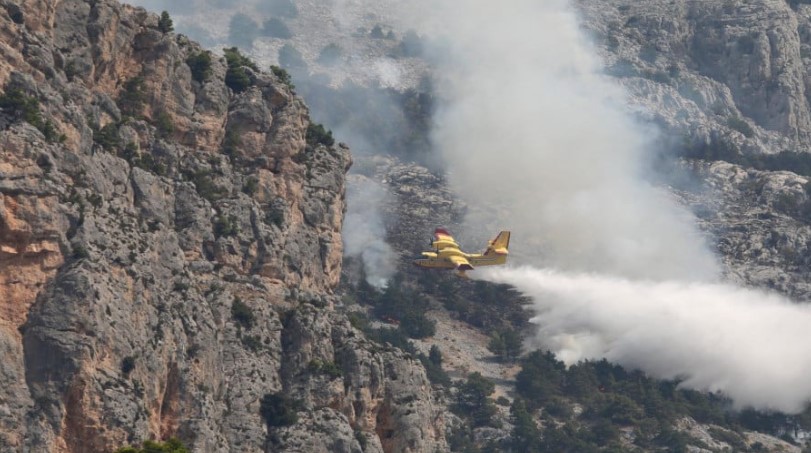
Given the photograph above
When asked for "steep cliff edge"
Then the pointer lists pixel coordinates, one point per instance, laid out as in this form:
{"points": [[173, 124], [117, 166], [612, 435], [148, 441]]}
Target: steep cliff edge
{"points": [[168, 251]]}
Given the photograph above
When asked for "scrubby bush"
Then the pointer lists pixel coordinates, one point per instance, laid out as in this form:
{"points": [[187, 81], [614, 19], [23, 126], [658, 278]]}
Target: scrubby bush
{"points": [[200, 65], [317, 134], [107, 137], [277, 409], [225, 226], [165, 24], [132, 97], [236, 77], [127, 365], [26, 108], [473, 400], [163, 124], [283, 76], [242, 313], [172, 445]]}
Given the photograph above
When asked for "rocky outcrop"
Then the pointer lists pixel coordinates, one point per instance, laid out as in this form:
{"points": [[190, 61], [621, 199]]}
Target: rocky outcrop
{"points": [[701, 69], [168, 251]]}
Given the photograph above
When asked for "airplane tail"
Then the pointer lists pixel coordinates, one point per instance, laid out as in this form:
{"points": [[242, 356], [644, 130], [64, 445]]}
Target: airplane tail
{"points": [[499, 245]]}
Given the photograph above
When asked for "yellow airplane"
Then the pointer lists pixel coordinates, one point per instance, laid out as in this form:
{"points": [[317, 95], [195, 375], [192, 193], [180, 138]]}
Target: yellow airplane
{"points": [[448, 255]]}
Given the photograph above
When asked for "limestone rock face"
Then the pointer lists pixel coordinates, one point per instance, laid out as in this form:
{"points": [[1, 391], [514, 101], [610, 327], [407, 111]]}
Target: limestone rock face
{"points": [[732, 68], [168, 252]]}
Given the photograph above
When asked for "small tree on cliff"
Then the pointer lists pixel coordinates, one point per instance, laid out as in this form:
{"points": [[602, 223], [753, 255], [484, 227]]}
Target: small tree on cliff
{"points": [[165, 24]]}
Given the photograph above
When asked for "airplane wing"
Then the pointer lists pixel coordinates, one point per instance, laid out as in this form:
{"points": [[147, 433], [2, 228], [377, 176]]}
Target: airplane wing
{"points": [[461, 263]]}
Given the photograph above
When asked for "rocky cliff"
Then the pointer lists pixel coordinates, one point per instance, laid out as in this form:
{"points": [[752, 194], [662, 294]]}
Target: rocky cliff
{"points": [[168, 250]]}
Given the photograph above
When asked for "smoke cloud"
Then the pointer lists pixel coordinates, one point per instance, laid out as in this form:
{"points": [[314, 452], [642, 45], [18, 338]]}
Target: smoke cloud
{"points": [[364, 231], [539, 141], [749, 344]]}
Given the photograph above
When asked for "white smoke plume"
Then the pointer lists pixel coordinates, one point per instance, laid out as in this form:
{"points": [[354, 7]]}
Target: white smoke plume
{"points": [[364, 230], [538, 141], [749, 344]]}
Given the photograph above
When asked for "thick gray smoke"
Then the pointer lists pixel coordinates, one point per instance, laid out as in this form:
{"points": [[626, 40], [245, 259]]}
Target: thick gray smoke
{"points": [[538, 141], [364, 230]]}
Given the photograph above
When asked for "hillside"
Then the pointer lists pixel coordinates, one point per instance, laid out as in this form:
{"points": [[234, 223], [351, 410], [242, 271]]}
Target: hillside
{"points": [[170, 247]]}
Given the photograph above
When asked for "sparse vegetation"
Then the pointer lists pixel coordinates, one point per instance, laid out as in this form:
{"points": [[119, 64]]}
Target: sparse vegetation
{"points": [[283, 76], [277, 409], [251, 186], [163, 124], [26, 108], [165, 24], [204, 184], [318, 135], [132, 98], [107, 137], [330, 369], [236, 77], [225, 226], [172, 445], [127, 365], [200, 65], [473, 400], [231, 143], [242, 313]]}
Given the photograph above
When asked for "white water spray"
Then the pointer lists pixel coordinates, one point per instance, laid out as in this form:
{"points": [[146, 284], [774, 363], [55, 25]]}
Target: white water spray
{"points": [[749, 344]]}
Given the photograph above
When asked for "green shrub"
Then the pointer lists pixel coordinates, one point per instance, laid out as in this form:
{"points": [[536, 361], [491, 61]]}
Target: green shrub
{"points": [[107, 137], [505, 344], [163, 124], [225, 226], [330, 369], [26, 108], [231, 143], [165, 24], [242, 313], [252, 342], [127, 365], [251, 186], [15, 13], [205, 186], [277, 409], [473, 402], [236, 77], [283, 76], [172, 445], [316, 134], [200, 65], [132, 97]]}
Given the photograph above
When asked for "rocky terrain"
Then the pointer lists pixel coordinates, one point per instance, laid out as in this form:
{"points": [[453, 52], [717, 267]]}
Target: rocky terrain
{"points": [[169, 246]]}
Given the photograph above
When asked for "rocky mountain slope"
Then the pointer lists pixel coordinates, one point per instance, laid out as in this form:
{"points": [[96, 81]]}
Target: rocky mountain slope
{"points": [[169, 249]]}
